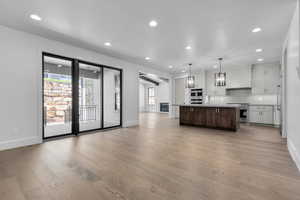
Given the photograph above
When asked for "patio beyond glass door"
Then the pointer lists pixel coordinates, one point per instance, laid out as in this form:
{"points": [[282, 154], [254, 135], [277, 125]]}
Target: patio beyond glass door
{"points": [[79, 96], [90, 81], [57, 78]]}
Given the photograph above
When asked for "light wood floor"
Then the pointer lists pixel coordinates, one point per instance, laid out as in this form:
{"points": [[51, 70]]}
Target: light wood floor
{"points": [[158, 160]]}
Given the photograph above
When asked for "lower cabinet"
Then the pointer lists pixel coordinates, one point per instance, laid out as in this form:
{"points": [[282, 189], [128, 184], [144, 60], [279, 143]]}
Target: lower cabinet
{"points": [[261, 114], [211, 117], [226, 118], [199, 117]]}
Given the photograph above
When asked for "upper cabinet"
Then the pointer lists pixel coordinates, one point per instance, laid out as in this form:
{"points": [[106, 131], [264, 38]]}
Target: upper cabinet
{"points": [[238, 77], [235, 78], [266, 78]]}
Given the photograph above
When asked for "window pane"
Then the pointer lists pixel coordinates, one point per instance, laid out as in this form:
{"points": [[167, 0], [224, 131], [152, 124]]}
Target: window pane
{"points": [[89, 97], [57, 96], [111, 97]]}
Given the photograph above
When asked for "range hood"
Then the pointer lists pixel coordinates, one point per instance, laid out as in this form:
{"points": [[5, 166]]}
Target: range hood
{"points": [[239, 88], [245, 91]]}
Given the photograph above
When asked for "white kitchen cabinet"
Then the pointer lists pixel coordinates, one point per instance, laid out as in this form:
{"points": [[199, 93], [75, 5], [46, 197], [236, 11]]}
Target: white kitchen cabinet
{"points": [[265, 79], [238, 77], [255, 117], [200, 79], [261, 114], [258, 84]]}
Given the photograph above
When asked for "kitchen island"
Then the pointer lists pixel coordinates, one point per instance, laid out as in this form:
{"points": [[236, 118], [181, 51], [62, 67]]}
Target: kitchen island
{"points": [[220, 116]]}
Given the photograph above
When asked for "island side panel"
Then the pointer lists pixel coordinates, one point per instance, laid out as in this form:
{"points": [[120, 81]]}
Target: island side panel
{"points": [[211, 117]]}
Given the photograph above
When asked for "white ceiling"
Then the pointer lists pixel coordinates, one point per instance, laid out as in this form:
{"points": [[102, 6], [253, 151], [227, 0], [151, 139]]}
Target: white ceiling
{"points": [[213, 28]]}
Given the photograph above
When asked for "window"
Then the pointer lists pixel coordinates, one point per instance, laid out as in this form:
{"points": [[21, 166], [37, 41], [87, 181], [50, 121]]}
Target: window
{"points": [[151, 96], [117, 92]]}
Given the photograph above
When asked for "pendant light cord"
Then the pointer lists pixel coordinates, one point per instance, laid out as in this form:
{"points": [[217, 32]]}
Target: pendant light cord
{"points": [[220, 61], [190, 69]]}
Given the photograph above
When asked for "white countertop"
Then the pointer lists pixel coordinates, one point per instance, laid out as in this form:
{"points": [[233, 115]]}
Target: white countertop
{"points": [[210, 105]]}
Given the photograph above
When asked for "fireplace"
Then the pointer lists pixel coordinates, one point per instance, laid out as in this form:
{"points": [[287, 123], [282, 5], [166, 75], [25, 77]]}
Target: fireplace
{"points": [[164, 107]]}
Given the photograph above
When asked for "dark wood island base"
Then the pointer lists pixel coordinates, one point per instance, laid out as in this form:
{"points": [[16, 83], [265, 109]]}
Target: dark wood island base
{"points": [[217, 117]]}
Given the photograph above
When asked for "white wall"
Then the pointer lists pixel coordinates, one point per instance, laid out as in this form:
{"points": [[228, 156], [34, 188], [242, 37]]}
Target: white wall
{"points": [[292, 89], [142, 98], [21, 84], [163, 94]]}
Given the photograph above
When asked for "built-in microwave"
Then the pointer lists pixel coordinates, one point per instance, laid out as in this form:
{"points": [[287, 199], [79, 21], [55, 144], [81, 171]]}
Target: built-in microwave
{"points": [[196, 96]]}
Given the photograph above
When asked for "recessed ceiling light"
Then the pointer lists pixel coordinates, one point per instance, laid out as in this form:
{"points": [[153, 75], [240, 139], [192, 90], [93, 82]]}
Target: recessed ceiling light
{"points": [[59, 66], [260, 59], [188, 47], [170, 66], [35, 17], [147, 58], [153, 23], [108, 44], [258, 50], [255, 30]]}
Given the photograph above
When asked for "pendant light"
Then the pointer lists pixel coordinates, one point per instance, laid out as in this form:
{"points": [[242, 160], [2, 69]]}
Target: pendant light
{"points": [[190, 79], [220, 77]]}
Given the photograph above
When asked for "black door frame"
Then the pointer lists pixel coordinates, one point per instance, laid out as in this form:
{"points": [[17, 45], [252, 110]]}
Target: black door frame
{"points": [[75, 95]]}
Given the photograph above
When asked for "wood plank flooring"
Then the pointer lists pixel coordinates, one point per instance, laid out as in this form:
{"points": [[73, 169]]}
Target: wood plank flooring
{"points": [[159, 160]]}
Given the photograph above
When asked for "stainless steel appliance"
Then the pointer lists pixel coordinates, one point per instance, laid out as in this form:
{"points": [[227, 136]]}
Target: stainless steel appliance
{"points": [[196, 96], [244, 112]]}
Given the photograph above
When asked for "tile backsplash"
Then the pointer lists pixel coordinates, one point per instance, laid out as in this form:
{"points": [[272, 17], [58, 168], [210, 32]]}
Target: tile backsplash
{"points": [[252, 99]]}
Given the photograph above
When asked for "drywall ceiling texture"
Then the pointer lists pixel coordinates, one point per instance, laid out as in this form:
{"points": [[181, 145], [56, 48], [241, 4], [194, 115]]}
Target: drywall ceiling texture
{"points": [[21, 84], [212, 28]]}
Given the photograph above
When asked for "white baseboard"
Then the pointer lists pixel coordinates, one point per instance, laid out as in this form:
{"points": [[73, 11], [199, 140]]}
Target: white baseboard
{"points": [[294, 153], [130, 123], [19, 143]]}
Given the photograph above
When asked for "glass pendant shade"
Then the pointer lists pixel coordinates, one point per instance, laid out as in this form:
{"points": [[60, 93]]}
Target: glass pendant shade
{"points": [[220, 77], [190, 82]]}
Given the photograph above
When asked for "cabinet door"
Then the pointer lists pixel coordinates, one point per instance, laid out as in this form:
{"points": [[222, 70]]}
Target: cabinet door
{"points": [[226, 118], [258, 80], [271, 80], [199, 116], [185, 115], [255, 116], [211, 117], [267, 117]]}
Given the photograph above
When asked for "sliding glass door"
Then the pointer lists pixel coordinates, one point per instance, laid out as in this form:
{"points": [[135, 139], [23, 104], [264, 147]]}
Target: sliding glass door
{"points": [[57, 81], [79, 96], [90, 97], [111, 97]]}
